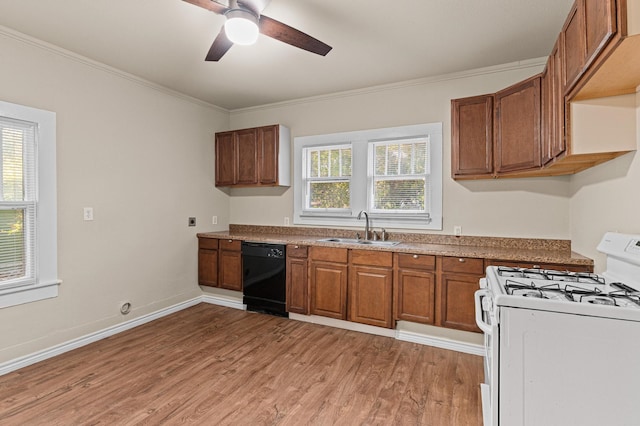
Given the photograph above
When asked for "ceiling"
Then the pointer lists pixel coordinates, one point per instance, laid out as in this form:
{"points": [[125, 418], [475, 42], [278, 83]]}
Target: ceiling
{"points": [[374, 42]]}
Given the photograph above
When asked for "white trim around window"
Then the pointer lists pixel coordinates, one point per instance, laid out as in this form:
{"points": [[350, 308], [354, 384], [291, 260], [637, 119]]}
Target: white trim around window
{"points": [[44, 282], [361, 192]]}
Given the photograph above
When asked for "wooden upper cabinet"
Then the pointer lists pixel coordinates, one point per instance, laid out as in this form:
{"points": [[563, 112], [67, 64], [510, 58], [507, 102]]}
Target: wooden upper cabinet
{"points": [[589, 28], [472, 136], [225, 159], [246, 158], [600, 26], [268, 154], [553, 138], [517, 127], [257, 156], [575, 45]]}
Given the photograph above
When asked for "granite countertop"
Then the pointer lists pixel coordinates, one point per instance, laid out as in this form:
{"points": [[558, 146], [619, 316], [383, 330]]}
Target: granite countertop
{"points": [[514, 249]]}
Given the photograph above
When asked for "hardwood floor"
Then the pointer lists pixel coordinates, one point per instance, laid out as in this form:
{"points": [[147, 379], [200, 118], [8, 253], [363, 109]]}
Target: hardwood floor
{"points": [[220, 366]]}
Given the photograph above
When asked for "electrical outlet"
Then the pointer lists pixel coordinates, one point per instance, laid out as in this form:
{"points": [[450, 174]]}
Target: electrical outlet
{"points": [[286, 221], [457, 230], [214, 221], [88, 213], [192, 221]]}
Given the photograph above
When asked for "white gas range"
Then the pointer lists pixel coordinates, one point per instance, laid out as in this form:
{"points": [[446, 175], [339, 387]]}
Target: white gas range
{"points": [[563, 348]]}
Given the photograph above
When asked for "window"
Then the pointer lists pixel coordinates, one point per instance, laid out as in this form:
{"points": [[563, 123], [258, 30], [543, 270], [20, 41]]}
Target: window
{"points": [[394, 174], [328, 178], [28, 263]]}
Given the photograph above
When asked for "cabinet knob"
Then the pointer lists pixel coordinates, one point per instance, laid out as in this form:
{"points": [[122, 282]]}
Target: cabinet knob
{"points": [[536, 267], [230, 241], [461, 260], [415, 256], [296, 246]]}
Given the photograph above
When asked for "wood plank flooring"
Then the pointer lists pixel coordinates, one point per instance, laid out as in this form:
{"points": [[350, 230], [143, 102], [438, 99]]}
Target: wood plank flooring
{"points": [[212, 365]]}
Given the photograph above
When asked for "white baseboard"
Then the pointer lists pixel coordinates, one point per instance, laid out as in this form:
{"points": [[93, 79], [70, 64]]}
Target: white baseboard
{"points": [[408, 336], [24, 361], [223, 301], [440, 342]]}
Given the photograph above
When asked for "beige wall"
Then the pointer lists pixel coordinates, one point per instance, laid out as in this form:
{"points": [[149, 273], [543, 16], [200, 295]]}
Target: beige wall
{"points": [[606, 198], [519, 208], [142, 158]]}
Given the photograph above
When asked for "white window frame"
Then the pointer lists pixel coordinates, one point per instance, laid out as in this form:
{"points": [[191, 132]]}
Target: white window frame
{"points": [[307, 181], [361, 180], [46, 281]]}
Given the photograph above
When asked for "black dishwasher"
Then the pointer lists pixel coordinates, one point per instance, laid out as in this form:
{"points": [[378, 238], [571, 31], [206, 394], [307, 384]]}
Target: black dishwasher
{"points": [[264, 278]]}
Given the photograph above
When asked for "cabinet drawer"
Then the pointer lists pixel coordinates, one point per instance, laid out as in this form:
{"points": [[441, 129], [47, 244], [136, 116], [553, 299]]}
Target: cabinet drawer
{"points": [[232, 245], [416, 261], [295, 250], [465, 265], [208, 243], [372, 258], [329, 254]]}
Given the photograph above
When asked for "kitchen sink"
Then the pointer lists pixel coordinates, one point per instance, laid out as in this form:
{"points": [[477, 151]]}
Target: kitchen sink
{"points": [[362, 242]]}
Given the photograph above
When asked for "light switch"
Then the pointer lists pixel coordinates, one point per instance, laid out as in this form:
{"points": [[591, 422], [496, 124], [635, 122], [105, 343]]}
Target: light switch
{"points": [[88, 213]]}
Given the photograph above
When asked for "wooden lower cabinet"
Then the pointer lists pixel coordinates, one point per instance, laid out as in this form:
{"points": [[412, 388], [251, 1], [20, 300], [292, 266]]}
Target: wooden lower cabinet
{"points": [[208, 262], [414, 288], [459, 280], [230, 265], [328, 273], [297, 279], [371, 288]]}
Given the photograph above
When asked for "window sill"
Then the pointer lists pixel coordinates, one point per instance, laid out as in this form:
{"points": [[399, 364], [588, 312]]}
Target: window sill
{"points": [[374, 222], [27, 294]]}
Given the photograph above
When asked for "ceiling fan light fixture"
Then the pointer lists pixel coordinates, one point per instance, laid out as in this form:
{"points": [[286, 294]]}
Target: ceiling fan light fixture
{"points": [[241, 27]]}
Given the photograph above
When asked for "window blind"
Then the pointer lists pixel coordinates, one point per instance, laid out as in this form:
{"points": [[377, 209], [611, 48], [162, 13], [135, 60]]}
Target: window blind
{"points": [[17, 202]]}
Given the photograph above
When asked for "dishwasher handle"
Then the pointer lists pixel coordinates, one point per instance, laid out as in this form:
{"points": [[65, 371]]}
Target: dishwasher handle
{"points": [[479, 295]]}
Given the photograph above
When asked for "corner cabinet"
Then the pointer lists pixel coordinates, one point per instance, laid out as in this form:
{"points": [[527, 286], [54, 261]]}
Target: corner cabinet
{"points": [[254, 157]]}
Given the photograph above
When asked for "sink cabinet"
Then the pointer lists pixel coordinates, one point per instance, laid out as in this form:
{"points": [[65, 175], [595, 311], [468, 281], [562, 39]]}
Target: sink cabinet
{"points": [[328, 274], [297, 279], [253, 157], [414, 287], [370, 287]]}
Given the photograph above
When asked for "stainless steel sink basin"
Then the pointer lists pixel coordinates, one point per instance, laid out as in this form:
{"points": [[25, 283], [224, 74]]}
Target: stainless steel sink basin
{"points": [[362, 242]]}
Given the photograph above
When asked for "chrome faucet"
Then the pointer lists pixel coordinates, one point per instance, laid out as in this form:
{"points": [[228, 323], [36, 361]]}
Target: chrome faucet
{"points": [[366, 223]]}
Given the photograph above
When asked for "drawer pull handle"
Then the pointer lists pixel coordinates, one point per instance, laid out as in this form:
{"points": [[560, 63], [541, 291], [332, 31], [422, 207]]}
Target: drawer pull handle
{"points": [[461, 260], [415, 256]]}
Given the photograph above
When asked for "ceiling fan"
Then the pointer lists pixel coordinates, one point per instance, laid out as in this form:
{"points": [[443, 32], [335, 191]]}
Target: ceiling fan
{"points": [[245, 21]]}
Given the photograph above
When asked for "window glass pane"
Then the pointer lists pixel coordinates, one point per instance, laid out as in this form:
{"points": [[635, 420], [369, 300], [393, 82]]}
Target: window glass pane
{"points": [[404, 195], [346, 162], [12, 244], [314, 157], [329, 195]]}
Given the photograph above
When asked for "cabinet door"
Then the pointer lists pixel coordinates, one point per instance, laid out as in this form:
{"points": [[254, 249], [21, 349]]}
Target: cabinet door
{"points": [[268, 155], [370, 295], [208, 267], [575, 45], [247, 156], [517, 127], [457, 305], [225, 159], [472, 136], [328, 285], [600, 26], [230, 266], [414, 296], [297, 286]]}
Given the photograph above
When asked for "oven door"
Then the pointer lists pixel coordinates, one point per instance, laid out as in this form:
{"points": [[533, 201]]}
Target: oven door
{"points": [[486, 318]]}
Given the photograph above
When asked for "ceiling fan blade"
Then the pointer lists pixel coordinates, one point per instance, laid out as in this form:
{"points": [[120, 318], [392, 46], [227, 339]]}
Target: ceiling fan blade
{"points": [[276, 29], [211, 5], [219, 47]]}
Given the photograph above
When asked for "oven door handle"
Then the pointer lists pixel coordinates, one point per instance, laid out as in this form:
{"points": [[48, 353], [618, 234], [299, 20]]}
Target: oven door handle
{"points": [[479, 295]]}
